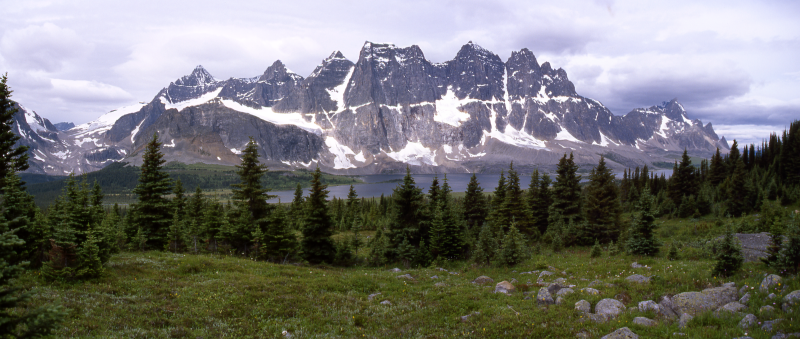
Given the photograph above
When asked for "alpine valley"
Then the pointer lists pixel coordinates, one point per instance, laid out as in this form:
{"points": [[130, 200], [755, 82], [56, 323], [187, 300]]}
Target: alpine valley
{"points": [[390, 108]]}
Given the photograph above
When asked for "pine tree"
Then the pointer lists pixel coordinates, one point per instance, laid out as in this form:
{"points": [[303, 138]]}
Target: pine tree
{"points": [[278, 242], [596, 251], [249, 194], [540, 204], [498, 216], [486, 246], [379, 248], [567, 190], [789, 255], [317, 244], [514, 204], [21, 210], [179, 200], [13, 158], [152, 211], [409, 222], [642, 234], [297, 210], [602, 207], [729, 256], [682, 182], [737, 191], [474, 204], [446, 240], [513, 249], [673, 252]]}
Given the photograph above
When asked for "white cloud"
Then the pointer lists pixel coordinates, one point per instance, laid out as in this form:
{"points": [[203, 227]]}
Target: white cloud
{"points": [[84, 90], [748, 133], [42, 47]]}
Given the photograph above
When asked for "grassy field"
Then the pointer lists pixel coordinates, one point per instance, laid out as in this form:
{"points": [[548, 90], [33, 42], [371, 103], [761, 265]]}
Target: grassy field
{"points": [[166, 295]]}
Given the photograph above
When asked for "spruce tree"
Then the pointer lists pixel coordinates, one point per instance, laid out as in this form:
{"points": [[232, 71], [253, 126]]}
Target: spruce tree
{"points": [[446, 240], [409, 222], [474, 204], [596, 250], [682, 182], [642, 233], [567, 190], [277, 243], [602, 207], [789, 255], [179, 200], [514, 204], [512, 250], [486, 246], [13, 157], [250, 196], [729, 256], [737, 191], [498, 216], [317, 244], [540, 204], [152, 211], [297, 211]]}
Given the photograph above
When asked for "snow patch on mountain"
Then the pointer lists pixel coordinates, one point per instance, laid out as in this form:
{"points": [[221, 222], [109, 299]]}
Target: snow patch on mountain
{"points": [[340, 152], [337, 93], [518, 138], [266, 114], [567, 136], [106, 121], [414, 153], [447, 109], [191, 102]]}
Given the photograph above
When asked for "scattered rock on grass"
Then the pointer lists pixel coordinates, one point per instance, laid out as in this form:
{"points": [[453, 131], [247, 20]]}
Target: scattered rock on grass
{"points": [[544, 297], [482, 280], [395, 270], [644, 321], [684, 320], [733, 307], [747, 321], [440, 284], [386, 302], [372, 296], [768, 282], [709, 299], [609, 307], [745, 298], [545, 273], [435, 277], [666, 308], [767, 325], [465, 318], [791, 300], [565, 291], [638, 278], [583, 306], [560, 300], [622, 333], [648, 305], [504, 287], [406, 277], [590, 290]]}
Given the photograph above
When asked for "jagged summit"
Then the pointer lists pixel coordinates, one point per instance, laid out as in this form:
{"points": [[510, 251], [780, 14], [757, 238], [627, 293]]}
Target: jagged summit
{"points": [[388, 108], [199, 77]]}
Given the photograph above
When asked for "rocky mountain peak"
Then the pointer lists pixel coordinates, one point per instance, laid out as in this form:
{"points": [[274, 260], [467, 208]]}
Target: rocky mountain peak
{"points": [[198, 77], [674, 110], [278, 72], [335, 55], [473, 50]]}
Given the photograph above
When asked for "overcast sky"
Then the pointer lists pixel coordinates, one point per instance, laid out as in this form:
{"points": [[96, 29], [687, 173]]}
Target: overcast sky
{"points": [[732, 63]]}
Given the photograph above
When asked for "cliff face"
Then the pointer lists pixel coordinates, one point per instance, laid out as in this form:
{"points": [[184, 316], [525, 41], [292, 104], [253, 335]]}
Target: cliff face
{"points": [[390, 108]]}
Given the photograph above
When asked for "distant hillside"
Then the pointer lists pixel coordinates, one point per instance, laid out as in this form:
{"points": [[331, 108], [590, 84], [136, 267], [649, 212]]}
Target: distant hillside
{"points": [[118, 180]]}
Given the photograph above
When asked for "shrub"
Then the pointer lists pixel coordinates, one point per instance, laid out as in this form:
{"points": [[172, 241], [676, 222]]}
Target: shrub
{"points": [[596, 251], [729, 256]]}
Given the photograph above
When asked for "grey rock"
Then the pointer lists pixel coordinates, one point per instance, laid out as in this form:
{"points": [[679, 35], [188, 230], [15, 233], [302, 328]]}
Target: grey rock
{"points": [[386, 302], [434, 277], [465, 318], [748, 321], [733, 307], [772, 296], [544, 297], [636, 265], [564, 291], [638, 278], [395, 270], [440, 284], [745, 299], [649, 305], [596, 318], [743, 290], [513, 281], [707, 300], [441, 269], [769, 281], [684, 320], [583, 335], [767, 325], [406, 277], [545, 274], [610, 307], [729, 284], [766, 309], [372, 296], [482, 280], [622, 333], [666, 308], [583, 306], [643, 321], [554, 288], [596, 283], [504, 287], [559, 300], [791, 300], [589, 290], [561, 281]]}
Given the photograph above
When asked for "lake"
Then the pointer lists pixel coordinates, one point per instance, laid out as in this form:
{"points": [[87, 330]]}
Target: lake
{"points": [[377, 184]]}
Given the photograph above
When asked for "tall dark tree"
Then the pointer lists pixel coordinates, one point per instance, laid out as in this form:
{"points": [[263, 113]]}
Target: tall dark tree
{"points": [[682, 182], [152, 212], [642, 239], [567, 190], [297, 210], [446, 240], [737, 190], [317, 244], [540, 203], [602, 207], [514, 204], [408, 217], [249, 194], [474, 204], [16, 319], [498, 216], [733, 157], [179, 199]]}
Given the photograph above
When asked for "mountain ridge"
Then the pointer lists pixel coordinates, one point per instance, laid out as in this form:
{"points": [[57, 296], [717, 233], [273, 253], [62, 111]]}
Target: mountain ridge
{"points": [[390, 108]]}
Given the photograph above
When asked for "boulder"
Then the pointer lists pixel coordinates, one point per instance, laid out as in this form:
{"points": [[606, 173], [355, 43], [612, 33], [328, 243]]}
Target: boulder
{"points": [[372, 296], [504, 287], [772, 296], [638, 278], [766, 309], [583, 306], [434, 277], [561, 281], [684, 320], [560, 300], [648, 305], [644, 321], [745, 298], [748, 321], [791, 300], [590, 290], [405, 277], [595, 283], [482, 280], [767, 325], [395, 270], [554, 288], [386, 302], [545, 273], [564, 291], [609, 307], [439, 284], [465, 318], [596, 318], [544, 297], [694, 303], [743, 290], [768, 282], [733, 307], [622, 333], [636, 265], [667, 308]]}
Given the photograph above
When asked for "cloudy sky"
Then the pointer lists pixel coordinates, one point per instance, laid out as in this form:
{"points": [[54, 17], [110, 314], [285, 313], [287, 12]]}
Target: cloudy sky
{"points": [[733, 63]]}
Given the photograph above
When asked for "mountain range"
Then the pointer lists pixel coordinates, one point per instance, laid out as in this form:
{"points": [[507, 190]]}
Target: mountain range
{"points": [[390, 108]]}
